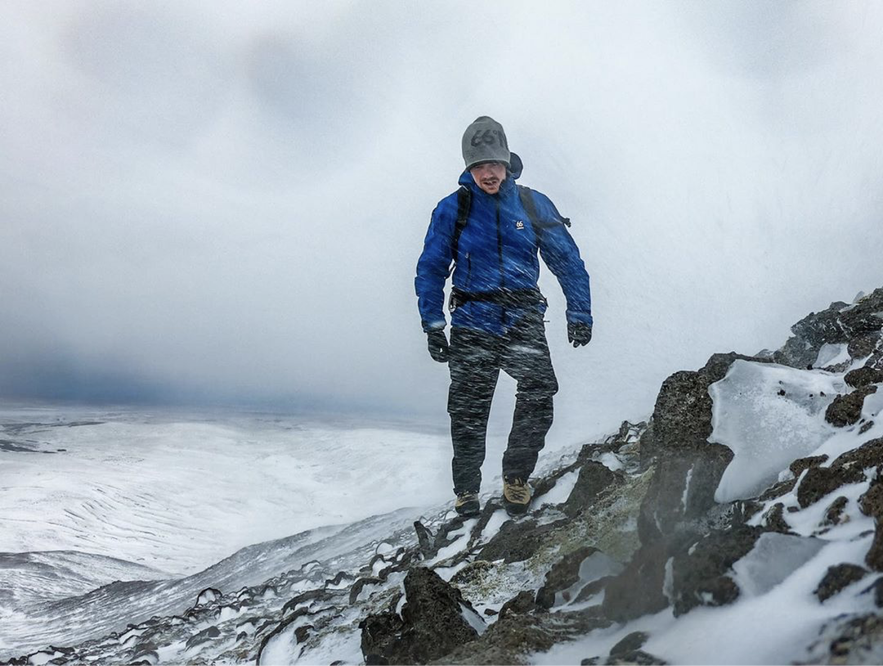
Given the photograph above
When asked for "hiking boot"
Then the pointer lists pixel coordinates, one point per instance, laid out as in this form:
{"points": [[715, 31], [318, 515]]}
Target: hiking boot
{"points": [[516, 496], [467, 504]]}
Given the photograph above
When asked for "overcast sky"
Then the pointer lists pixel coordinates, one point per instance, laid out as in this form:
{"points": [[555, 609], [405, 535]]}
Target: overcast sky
{"points": [[210, 201]]}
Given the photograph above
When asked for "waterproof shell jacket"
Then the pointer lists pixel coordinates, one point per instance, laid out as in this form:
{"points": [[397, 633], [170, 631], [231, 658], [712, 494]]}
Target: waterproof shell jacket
{"points": [[497, 253]]}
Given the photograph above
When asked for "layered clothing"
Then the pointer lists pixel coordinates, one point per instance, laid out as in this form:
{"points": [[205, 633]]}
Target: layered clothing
{"points": [[497, 251]]}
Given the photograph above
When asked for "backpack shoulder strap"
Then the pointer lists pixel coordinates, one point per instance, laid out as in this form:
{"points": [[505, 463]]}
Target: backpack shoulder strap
{"points": [[539, 225], [464, 203]]}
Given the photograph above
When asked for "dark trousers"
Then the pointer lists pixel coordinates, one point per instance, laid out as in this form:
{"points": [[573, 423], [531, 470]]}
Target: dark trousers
{"points": [[476, 359]]}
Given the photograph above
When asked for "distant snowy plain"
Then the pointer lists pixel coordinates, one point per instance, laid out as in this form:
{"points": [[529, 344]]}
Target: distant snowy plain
{"points": [[179, 492]]}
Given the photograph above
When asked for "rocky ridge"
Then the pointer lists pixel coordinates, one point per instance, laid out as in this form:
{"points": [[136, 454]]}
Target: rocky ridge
{"points": [[626, 529]]}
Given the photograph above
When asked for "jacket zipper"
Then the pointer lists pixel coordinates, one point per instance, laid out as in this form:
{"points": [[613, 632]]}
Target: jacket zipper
{"points": [[500, 254]]}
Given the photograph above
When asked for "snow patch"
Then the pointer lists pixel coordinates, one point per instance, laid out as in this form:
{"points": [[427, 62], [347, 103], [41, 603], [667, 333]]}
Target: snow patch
{"points": [[562, 489]]}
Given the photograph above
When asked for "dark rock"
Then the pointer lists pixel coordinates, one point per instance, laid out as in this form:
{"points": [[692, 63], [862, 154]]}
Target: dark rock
{"points": [[376, 660], [511, 639], [876, 588], [446, 534], [563, 575], [801, 464], [203, 636], [701, 574], [302, 633], [847, 409], [472, 572], [317, 594], [431, 625], [679, 507], [837, 578], [681, 404], [834, 513], [381, 638], [425, 539], [681, 427], [863, 346], [521, 603], [774, 519], [638, 590], [850, 639], [874, 557], [837, 324], [145, 653], [634, 641], [591, 661], [864, 377], [820, 481], [517, 540], [865, 427], [207, 596], [637, 657], [593, 478], [360, 584], [871, 502], [593, 588], [777, 490], [869, 454]]}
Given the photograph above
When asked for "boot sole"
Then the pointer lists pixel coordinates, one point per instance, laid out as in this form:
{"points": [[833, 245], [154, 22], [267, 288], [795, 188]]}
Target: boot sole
{"points": [[515, 509]]}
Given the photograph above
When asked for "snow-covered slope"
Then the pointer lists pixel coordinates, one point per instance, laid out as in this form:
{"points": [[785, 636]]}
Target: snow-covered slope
{"points": [[741, 524]]}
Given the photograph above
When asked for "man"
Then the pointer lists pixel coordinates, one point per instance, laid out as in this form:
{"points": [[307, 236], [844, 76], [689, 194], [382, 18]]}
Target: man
{"points": [[492, 230]]}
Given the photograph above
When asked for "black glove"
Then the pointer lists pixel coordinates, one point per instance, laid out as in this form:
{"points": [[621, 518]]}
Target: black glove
{"points": [[579, 333], [438, 345]]}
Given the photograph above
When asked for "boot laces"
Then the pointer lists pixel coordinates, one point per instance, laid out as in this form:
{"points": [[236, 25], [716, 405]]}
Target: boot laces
{"points": [[517, 491]]}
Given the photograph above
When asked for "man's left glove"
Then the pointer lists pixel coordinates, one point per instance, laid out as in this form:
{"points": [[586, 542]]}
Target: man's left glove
{"points": [[579, 333], [438, 345]]}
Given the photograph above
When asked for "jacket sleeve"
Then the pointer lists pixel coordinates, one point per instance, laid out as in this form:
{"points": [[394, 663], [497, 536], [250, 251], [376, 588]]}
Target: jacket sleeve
{"points": [[561, 255], [433, 267]]}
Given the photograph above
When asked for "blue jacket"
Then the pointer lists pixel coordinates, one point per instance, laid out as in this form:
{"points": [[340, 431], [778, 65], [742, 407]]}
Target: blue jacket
{"points": [[497, 249]]}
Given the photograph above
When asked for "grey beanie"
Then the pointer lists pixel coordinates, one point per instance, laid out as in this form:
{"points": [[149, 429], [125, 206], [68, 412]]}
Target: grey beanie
{"points": [[485, 141]]}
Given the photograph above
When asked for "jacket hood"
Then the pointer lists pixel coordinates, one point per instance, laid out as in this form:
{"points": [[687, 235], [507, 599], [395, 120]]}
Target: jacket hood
{"points": [[516, 166]]}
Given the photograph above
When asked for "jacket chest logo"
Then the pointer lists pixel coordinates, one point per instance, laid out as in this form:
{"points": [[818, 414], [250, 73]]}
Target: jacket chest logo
{"points": [[519, 224]]}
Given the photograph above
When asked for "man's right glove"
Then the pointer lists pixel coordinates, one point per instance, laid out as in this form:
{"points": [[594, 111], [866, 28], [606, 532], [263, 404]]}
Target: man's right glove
{"points": [[438, 345], [579, 333]]}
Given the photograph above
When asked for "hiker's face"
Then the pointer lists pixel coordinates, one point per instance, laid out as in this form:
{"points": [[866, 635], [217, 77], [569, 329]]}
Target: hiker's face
{"points": [[489, 176]]}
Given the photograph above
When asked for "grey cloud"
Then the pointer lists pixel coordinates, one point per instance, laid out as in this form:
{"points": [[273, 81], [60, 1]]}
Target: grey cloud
{"points": [[205, 203]]}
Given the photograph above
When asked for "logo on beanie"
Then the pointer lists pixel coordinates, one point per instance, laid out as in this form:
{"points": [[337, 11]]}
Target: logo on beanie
{"points": [[488, 137]]}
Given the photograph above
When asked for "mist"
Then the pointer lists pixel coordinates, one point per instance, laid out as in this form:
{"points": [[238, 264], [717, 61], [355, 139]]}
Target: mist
{"points": [[209, 203]]}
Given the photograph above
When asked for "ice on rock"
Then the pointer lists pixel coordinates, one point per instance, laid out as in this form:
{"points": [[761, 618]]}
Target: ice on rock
{"points": [[768, 415], [473, 619], [595, 566], [773, 558], [832, 355]]}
